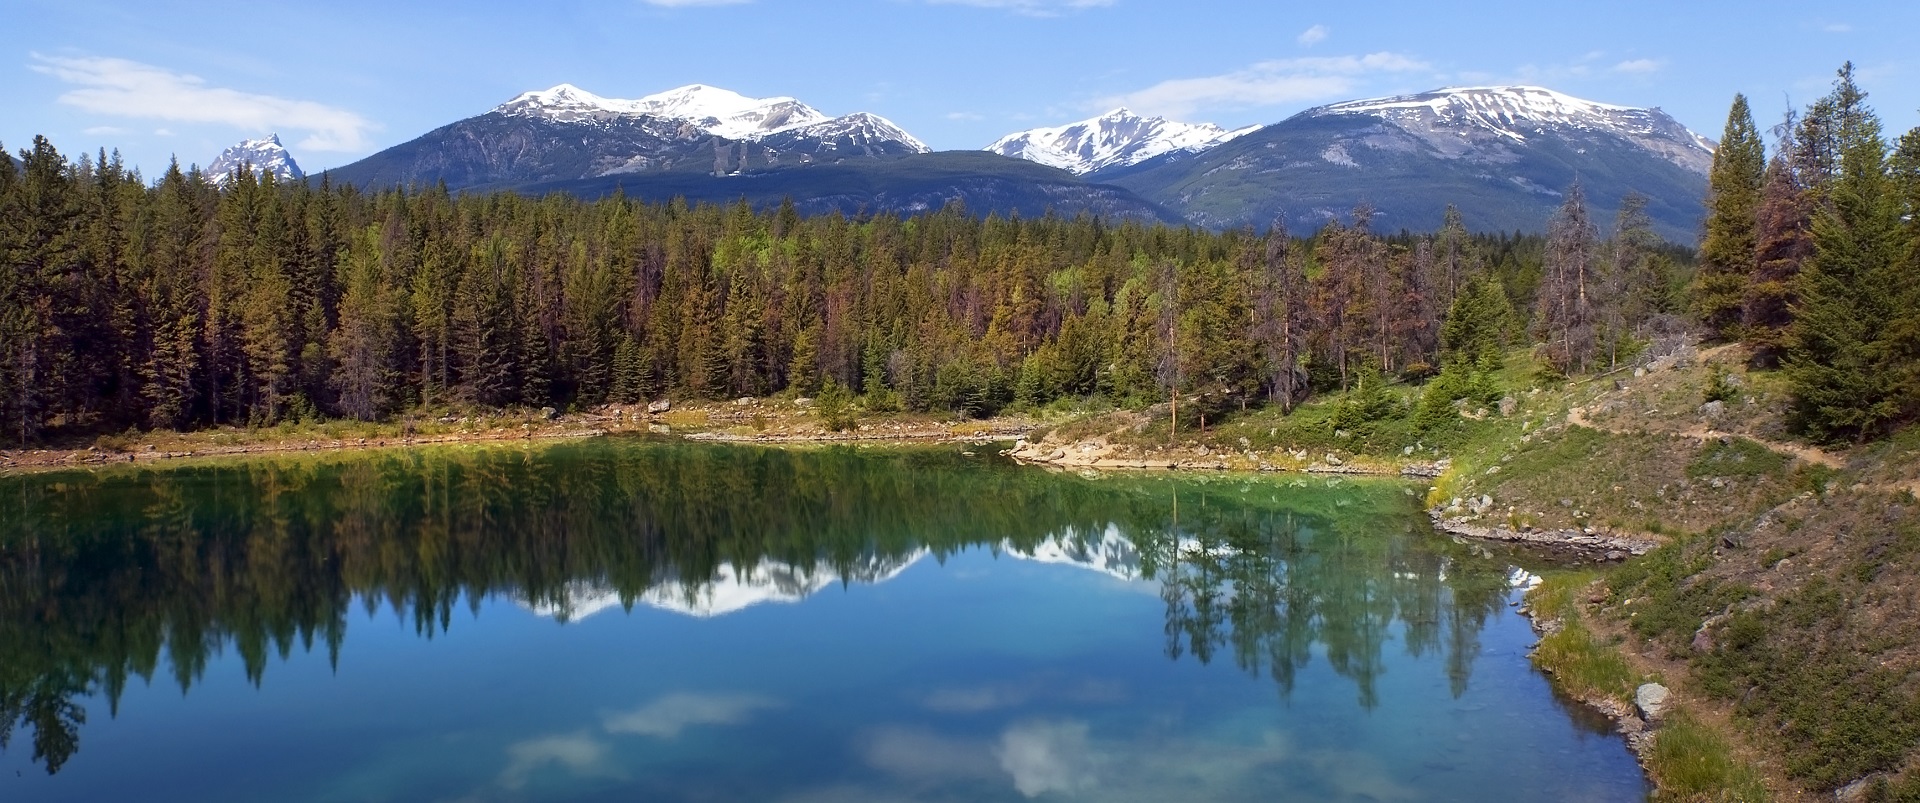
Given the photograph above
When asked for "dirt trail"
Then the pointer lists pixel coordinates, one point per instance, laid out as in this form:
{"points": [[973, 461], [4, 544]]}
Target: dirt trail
{"points": [[1578, 417]]}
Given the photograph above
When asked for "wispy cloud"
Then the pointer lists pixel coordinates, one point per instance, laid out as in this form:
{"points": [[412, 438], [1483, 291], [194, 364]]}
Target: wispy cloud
{"points": [[1268, 83], [103, 131], [1314, 35], [669, 715], [965, 117], [1639, 66], [123, 88], [1031, 8], [1837, 27], [579, 753]]}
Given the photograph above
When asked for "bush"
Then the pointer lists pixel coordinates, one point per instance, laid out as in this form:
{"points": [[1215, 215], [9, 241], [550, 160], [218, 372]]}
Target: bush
{"points": [[835, 406]]}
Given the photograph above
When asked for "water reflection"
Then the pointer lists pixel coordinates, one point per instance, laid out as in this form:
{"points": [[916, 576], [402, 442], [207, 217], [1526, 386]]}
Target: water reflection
{"points": [[151, 573]]}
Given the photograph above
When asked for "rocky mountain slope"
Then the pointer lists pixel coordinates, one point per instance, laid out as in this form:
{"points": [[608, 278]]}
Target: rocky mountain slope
{"points": [[261, 155], [1118, 138], [1504, 155]]}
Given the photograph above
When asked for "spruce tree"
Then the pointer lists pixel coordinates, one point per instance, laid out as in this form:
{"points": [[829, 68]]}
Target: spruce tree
{"points": [[1843, 362], [1728, 252]]}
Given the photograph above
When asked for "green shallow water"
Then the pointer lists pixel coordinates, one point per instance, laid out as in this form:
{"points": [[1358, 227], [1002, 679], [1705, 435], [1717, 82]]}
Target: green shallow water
{"points": [[634, 619]]}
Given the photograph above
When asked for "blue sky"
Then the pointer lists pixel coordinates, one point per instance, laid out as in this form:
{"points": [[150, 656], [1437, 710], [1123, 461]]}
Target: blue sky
{"points": [[345, 78]]}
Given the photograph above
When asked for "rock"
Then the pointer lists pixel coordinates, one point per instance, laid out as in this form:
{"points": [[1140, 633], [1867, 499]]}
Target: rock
{"points": [[1246, 444], [660, 429], [660, 406], [1859, 791], [1507, 405], [743, 401], [1713, 409], [1651, 700], [549, 413], [1333, 461], [1407, 452], [1638, 372]]}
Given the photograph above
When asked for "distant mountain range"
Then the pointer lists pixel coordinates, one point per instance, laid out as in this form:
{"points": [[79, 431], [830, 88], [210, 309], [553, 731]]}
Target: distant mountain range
{"points": [[1504, 155]]}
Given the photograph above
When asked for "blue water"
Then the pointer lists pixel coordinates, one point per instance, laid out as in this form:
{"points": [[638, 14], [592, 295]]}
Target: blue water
{"points": [[958, 664]]}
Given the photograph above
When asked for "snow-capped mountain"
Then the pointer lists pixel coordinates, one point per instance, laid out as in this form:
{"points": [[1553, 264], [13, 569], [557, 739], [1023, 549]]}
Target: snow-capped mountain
{"points": [[731, 588], [1504, 155], [263, 155], [567, 134], [1517, 112], [715, 111], [1115, 139]]}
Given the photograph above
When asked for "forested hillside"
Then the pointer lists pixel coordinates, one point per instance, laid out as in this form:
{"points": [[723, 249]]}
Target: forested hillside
{"points": [[179, 305]]}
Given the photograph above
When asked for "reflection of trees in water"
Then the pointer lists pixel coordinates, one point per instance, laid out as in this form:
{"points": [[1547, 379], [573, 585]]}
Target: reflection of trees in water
{"points": [[144, 572], [1270, 583]]}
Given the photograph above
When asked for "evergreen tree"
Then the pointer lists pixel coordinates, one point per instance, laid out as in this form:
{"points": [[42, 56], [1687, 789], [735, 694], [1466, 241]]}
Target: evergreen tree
{"points": [[1848, 378], [363, 345], [1729, 251]]}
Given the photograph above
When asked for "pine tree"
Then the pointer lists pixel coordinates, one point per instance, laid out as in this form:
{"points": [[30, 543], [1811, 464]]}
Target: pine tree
{"points": [[363, 345], [1848, 378], [1729, 251]]}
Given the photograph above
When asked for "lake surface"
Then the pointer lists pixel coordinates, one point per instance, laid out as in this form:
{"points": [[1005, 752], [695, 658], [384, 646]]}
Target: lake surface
{"points": [[636, 619]]}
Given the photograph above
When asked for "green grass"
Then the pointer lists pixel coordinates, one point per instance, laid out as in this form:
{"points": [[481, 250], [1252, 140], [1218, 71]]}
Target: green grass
{"points": [[1581, 664], [1691, 762]]}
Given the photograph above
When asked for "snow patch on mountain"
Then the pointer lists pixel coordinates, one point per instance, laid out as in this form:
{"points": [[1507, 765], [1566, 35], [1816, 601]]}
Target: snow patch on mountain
{"points": [[716, 111], [1115, 139], [1516, 113], [264, 155]]}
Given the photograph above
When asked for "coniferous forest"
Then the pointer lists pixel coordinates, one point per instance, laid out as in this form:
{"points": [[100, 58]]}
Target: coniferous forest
{"points": [[186, 303]]}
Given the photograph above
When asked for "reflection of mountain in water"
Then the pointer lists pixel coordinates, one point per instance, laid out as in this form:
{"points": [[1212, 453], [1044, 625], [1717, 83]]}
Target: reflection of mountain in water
{"points": [[732, 588], [141, 573], [729, 589]]}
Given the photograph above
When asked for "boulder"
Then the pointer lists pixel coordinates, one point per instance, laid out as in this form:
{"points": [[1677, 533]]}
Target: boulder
{"points": [[549, 413], [1507, 405], [1651, 700], [660, 406], [1713, 409]]}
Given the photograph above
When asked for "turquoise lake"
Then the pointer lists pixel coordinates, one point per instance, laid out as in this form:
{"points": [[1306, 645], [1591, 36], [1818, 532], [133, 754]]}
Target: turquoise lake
{"points": [[626, 618]]}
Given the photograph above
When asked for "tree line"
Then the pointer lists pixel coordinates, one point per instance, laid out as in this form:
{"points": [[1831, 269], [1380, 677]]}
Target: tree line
{"points": [[1810, 255], [188, 303]]}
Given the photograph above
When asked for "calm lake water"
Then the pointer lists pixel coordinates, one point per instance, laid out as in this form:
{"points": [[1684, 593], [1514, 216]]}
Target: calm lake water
{"points": [[631, 619]]}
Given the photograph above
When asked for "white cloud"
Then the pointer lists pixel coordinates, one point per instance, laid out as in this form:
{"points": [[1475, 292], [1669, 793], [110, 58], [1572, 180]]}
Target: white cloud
{"points": [[1047, 757], [1639, 66], [1031, 8], [1837, 27], [669, 715], [922, 754], [125, 88], [1313, 36], [1269, 83], [103, 131], [578, 752], [965, 117], [163, 132]]}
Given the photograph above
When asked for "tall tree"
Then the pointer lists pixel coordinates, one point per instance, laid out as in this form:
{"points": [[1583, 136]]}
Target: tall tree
{"points": [[1729, 250], [1848, 379], [1563, 308]]}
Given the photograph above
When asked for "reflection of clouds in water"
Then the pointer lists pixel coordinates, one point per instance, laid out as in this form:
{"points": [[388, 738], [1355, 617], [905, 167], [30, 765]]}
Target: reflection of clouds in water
{"points": [[976, 699], [669, 715], [1046, 757], [1353, 775], [578, 752], [922, 754]]}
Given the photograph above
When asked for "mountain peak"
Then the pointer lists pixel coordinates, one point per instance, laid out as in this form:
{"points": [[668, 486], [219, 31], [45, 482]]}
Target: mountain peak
{"points": [[1517, 112], [263, 155], [1114, 139]]}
